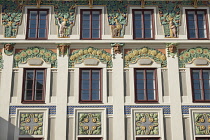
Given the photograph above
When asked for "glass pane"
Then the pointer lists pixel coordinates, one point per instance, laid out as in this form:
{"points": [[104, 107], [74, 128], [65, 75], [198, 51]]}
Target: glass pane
{"points": [[148, 33], [140, 84], [197, 94], [147, 15], [42, 33], [95, 84], [96, 74], [96, 15], [95, 33], [150, 84], [85, 74], [190, 15], [191, 24], [29, 84], [39, 75], [151, 94], [42, 23], [85, 95], [197, 84], [138, 15], [33, 14], [192, 33], [86, 15], [207, 94], [28, 95], [196, 74], [140, 95], [95, 24], [147, 24], [29, 74], [206, 74], [39, 84], [149, 74], [86, 24], [138, 33], [206, 84], [95, 95], [38, 95], [202, 33], [43, 14], [140, 74], [85, 33], [85, 84], [32, 24], [32, 33], [138, 24]]}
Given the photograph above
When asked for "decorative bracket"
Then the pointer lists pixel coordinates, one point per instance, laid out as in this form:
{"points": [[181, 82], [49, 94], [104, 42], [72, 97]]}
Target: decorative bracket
{"points": [[38, 3], [195, 4], [63, 49], [8, 48], [142, 3], [90, 3], [117, 48], [171, 49]]}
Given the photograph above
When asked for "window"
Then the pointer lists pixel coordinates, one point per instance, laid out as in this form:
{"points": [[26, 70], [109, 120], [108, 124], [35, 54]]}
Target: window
{"points": [[147, 138], [34, 86], [145, 85], [90, 85], [90, 24], [197, 24], [143, 27], [37, 24], [89, 139], [201, 84], [202, 138]]}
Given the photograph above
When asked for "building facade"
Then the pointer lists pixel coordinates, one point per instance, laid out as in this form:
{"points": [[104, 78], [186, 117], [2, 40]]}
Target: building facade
{"points": [[104, 70]]}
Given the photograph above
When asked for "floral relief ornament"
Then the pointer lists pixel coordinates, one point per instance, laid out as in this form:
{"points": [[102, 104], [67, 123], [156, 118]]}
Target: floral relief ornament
{"points": [[202, 123]]}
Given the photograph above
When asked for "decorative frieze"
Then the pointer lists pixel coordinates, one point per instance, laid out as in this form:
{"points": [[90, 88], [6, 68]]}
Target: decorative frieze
{"points": [[202, 123], [135, 54], [190, 55], [146, 123], [35, 52], [31, 123], [78, 56], [89, 123]]}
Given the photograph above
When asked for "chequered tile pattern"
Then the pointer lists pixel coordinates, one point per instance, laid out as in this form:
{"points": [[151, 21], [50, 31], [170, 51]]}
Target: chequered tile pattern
{"points": [[166, 108], [185, 108], [52, 109], [109, 108]]}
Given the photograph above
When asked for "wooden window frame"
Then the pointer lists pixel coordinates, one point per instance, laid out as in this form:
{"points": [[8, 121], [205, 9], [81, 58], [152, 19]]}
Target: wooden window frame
{"points": [[202, 84], [147, 138], [31, 138], [153, 24], [44, 87], [80, 86], [196, 28], [207, 138], [37, 24], [145, 93], [100, 24], [89, 138]]}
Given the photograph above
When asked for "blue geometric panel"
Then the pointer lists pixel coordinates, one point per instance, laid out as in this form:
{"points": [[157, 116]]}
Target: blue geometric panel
{"points": [[166, 108], [185, 108], [52, 109], [109, 108]]}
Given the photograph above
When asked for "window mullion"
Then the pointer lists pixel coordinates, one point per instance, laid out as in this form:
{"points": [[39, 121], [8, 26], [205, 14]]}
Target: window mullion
{"points": [[197, 29], [90, 88], [91, 25], [202, 83], [143, 29], [34, 84], [37, 26], [145, 86]]}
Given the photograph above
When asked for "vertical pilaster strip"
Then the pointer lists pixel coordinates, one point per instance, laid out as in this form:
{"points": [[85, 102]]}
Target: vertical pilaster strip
{"points": [[118, 93], [5, 93], [175, 98], [62, 94]]}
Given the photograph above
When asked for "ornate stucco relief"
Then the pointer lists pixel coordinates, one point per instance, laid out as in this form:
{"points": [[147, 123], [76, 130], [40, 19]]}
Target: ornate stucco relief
{"points": [[171, 49], [8, 48], [31, 123], [63, 49], [188, 56], [89, 123], [146, 123], [202, 123], [35, 52], [79, 56], [135, 54]]}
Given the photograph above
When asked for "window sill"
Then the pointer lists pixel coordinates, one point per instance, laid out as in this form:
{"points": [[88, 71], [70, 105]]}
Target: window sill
{"points": [[146, 102], [90, 102], [33, 102]]}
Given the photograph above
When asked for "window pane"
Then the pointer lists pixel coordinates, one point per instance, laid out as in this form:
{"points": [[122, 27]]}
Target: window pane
{"points": [[147, 15], [138, 15], [85, 84], [207, 94], [38, 95], [96, 74], [95, 84], [206, 84], [192, 33], [150, 84], [197, 94], [86, 24], [140, 84], [86, 15], [149, 74], [147, 24], [42, 33], [95, 33], [40, 75], [140, 95], [95, 95], [39, 84], [95, 15], [43, 14], [138, 34], [151, 94], [95, 24], [206, 74], [148, 33], [202, 33], [29, 84], [85, 95], [28, 95], [32, 24], [30, 74], [85, 33], [33, 14], [196, 74], [196, 84], [85, 74], [32, 33], [140, 74], [42, 23]]}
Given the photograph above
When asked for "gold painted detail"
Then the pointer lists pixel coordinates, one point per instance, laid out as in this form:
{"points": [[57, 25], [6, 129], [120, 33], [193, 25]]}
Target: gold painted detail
{"points": [[63, 49], [202, 123]]}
